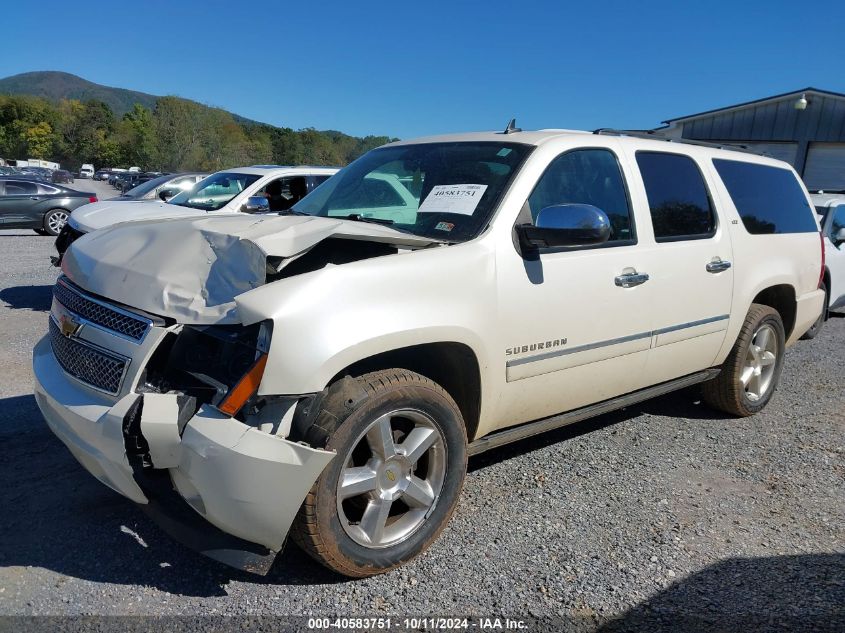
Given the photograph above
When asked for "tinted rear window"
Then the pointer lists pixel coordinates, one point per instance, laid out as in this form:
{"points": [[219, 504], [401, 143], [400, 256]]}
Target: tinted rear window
{"points": [[769, 199], [677, 197]]}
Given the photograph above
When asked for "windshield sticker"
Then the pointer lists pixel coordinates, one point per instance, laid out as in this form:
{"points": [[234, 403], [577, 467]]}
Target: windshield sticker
{"points": [[444, 226], [504, 152], [460, 199]]}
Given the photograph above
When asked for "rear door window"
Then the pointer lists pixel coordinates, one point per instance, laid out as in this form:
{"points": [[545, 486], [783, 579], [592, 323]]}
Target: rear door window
{"points": [[768, 199], [21, 188], [678, 199], [316, 181]]}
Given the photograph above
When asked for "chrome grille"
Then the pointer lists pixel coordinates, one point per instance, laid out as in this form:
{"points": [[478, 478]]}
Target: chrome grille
{"points": [[92, 366], [100, 314]]}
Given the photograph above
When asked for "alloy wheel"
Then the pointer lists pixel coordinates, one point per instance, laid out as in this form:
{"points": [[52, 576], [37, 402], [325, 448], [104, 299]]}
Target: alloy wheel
{"points": [[57, 221], [392, 478], [760, 362]]}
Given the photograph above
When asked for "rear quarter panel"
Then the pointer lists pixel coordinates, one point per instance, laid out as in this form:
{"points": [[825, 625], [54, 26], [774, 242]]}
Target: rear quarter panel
{"points": [[762, 261]]}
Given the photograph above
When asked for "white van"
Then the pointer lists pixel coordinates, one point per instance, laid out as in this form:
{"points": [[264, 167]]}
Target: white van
{"points": [[86, 171]]}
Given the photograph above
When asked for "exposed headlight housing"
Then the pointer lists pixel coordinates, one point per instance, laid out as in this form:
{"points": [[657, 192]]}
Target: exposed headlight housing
{"points": [[218, 364]]}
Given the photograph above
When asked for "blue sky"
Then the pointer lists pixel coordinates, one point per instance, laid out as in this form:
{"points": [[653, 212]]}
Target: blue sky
{"points": [[416, 68]]}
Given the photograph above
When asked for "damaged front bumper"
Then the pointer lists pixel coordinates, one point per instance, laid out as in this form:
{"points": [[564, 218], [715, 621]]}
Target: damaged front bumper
{"points": [[220, 486]]}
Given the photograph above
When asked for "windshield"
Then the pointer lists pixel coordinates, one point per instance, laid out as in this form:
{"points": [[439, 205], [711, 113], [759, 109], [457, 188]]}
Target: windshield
{"points": [[146, 187], [214, 192], [447, 191]]}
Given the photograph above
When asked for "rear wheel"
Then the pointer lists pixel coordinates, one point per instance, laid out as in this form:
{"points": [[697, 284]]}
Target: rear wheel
{"points": [[751, 371], [400, 465], [54, 221]]}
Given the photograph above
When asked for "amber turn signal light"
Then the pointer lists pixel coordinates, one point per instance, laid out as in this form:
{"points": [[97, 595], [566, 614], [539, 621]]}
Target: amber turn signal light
{"points": [[245, 389]]}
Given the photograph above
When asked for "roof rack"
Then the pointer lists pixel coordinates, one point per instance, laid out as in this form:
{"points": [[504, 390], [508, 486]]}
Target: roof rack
{"points": [[606, 131]]}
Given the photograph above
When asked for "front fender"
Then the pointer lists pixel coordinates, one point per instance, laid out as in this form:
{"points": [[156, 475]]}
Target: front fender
{"points": [[329, 319]]}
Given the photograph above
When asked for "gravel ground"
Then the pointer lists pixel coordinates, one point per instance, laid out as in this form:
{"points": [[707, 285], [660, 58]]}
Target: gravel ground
{"points": [[665, 516]]}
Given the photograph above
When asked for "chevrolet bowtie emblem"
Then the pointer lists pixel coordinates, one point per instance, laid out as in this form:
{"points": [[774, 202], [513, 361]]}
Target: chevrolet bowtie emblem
{"points": [[391, 476], [69, 325]]}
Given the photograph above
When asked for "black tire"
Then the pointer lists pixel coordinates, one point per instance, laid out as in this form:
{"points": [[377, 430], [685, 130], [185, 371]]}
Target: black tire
{"points": [[727, 391], [50, 224], [813, 332], [322, 528]]}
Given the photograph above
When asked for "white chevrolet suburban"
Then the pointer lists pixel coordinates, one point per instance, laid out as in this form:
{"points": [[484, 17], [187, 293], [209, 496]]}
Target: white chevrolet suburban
{"points": [[327, 372]]}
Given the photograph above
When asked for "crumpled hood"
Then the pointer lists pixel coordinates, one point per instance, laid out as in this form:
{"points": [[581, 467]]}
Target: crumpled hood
{"points": [[98, 215], [192, 269]]}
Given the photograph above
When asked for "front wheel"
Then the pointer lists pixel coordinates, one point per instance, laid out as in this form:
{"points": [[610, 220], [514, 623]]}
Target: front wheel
{"points": [[400, 465], [54, 221], [751, 371]]}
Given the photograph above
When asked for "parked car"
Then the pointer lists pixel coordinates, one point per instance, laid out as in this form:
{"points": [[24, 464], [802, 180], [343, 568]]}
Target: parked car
{"points": [[274, 188], [128, 181], [61, 176], [334, 372], [42, 173], [120, 178], [37, 205], [114, 174], [167, 185], [102, 174], [86, 171], [830, 207]]}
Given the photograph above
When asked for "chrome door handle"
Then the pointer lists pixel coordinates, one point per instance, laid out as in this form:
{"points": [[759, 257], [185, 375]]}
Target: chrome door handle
{"points": [[717, 266], [33, 197], [629, 280]]}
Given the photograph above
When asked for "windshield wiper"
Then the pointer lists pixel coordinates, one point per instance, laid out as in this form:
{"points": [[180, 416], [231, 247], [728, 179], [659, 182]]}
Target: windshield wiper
{"points": [[357, 217], [292, 212]]}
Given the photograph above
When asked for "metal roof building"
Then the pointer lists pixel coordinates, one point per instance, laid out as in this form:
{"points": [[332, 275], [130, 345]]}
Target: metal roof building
{"points": [[804, 127]]}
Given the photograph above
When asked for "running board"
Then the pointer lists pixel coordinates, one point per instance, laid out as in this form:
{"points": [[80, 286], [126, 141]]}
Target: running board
{"points": [[506, 436]]}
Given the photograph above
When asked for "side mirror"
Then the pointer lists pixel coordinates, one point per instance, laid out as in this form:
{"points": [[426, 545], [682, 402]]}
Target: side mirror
{"points": [[565, 225], [838, 237], [256, 204], [167, 194]]}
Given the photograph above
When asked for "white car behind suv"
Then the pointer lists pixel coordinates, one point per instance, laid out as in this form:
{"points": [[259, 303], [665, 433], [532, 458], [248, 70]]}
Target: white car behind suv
{"points": [[831, 210], [237, 190]]}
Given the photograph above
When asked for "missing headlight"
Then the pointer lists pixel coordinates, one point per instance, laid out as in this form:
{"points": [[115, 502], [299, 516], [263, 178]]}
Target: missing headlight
{"points": [[207, 361]]}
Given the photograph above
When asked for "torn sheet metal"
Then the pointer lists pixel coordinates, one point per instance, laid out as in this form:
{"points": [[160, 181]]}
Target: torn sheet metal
{"points": [[160, 427], [192, 269], [244, 481]]}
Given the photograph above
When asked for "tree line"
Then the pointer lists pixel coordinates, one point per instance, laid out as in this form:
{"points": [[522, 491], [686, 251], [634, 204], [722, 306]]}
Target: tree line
{"points": [[176, 135]]}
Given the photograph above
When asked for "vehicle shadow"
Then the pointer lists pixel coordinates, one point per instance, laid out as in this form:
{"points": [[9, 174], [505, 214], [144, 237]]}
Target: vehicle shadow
{"points": [[777, 593], [685, 403], [58, 517], [36, 298]]}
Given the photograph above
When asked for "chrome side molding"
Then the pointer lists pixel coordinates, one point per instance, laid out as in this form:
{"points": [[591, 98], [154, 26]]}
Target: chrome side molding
{"points": [[529, 429]]}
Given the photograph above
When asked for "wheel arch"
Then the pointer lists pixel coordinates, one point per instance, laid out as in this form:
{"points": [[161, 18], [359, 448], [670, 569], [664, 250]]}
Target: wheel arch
{"points": [[452, 365], [782, 298]]}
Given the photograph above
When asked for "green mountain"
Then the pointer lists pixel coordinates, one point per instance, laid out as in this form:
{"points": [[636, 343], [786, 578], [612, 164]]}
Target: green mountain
{"points": [[54, 85], [165, 133]]}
